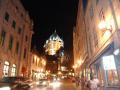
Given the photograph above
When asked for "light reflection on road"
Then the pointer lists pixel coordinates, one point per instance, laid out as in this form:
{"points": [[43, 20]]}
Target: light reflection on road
{"points": [[56, 86], [52, 86]]}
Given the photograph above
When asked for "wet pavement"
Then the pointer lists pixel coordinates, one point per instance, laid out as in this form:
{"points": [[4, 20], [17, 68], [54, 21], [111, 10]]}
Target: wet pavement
{"points": [[59, 85]]}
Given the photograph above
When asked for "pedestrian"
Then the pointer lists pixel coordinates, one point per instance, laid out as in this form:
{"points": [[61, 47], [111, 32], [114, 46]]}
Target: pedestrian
{"points": [[74, 82], [82, 83], [77, 81], [94, 83]]}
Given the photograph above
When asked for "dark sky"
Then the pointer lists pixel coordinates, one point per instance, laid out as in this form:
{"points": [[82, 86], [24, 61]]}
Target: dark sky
{"points": [[49, 15]]}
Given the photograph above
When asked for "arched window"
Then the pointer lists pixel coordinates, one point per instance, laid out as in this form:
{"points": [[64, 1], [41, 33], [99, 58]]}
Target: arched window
{"points": [[13, 72], [6, 68]]}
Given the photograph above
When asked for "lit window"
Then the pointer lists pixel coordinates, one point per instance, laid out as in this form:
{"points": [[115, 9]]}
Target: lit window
{"points": [[13, 72], [6, 69]]}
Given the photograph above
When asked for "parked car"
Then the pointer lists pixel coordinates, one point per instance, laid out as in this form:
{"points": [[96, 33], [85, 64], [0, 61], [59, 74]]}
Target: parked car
{"points": [[22, 83], [44, 82], [29, 82], [13, 83], [8, 83]]}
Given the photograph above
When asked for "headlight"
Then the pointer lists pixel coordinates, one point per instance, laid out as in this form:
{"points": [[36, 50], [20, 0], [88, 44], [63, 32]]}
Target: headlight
{"points": [[5, 88], [44, 83], [37, 83], [58, 78]]}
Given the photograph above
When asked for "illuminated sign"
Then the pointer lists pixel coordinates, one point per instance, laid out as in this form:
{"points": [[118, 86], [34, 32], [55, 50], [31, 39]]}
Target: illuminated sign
{"points": [[109, 62]]}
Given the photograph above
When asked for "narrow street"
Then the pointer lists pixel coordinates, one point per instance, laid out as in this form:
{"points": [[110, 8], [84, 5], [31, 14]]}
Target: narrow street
{"points": [[61, 85]]}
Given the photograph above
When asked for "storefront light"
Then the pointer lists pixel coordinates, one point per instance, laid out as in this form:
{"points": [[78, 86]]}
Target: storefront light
{"points": [[5, 88], [74, 66], [116, 52], [105, 25], [109, 62], [102, 25]]}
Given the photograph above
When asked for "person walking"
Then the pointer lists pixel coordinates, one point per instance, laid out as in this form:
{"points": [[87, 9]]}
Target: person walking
{"points": [[77, 81], [94, 83], [82, 83]]}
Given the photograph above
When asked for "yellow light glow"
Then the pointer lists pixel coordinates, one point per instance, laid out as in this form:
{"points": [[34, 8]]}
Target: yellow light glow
{"points": [[107, 34], [75, 66], [41, 69], [79, 62], [107, 26], [55, 84], [116, 52], [43, 62], [59, 73], [109, 63], [53, 44], [102, 25], [5, 88]]}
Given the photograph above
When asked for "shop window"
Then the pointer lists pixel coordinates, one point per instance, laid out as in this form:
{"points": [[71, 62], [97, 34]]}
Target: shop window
{"points": [[112, 77], [6, 69], [13, 72], [110, 69], [2, 37], [100, 73]]}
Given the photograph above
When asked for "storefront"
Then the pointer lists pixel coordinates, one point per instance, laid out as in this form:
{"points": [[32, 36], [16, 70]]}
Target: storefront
{"points": [[105, 68], [6, 69]]}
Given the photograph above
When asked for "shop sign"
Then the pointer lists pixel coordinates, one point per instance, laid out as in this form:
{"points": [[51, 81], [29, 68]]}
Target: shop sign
{"points": [[109, 62]]}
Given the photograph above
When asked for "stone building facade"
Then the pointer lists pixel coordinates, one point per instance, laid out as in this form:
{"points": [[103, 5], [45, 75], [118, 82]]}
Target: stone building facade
{"points": [[15, 38], [102, 21], [37, 66], [80, 50]]}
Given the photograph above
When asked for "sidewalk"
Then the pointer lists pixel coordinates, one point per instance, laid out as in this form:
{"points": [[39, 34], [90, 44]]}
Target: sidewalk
{"points": [[80, 88], [108, 88]]}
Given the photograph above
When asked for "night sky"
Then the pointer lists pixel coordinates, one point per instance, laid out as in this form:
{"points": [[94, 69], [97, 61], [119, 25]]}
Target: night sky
{"points": [[49, 15]]}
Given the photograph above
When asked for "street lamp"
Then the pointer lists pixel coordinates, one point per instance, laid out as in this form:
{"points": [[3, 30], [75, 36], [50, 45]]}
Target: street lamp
{"points": [[104, 25]]}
